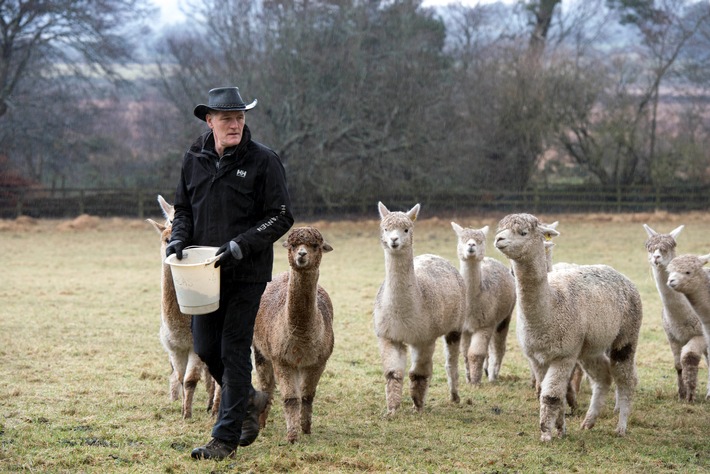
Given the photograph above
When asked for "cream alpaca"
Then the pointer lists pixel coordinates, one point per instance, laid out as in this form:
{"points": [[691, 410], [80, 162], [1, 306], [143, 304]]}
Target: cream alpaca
{"points": [[582, 312], [420, 300], [679, 320], [490, 299]]}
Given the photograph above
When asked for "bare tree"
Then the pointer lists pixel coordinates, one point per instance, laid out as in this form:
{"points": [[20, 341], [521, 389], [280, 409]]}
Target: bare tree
{"points": [[65, 37]]}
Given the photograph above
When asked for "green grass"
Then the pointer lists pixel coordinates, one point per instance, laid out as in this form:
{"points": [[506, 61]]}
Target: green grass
{"points": [[85, 379]]}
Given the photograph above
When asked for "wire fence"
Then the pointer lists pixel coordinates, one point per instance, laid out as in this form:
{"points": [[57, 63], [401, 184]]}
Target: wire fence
{"points": [[141, 203]]}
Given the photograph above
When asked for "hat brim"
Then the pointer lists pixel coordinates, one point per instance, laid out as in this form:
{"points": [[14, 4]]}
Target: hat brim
{"points": [[202, 110]]}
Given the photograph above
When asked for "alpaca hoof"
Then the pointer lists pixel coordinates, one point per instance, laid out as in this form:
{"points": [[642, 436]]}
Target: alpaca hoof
{"points": [[587, 425], [455, 398], [621, 432], [545, 437]]}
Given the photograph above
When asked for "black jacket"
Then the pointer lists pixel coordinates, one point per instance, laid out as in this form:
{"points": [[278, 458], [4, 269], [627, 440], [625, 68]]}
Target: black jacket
{"points": [[242, 197]]}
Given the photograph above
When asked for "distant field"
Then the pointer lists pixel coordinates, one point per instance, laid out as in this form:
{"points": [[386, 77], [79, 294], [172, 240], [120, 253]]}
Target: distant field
{"points": [[85, 379]]}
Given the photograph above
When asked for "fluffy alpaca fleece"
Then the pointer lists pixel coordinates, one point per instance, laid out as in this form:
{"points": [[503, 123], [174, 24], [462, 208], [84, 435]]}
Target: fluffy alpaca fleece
{"points": [[293, 333], [578, 313], [679, 320], [420, 300], [490, 299]]}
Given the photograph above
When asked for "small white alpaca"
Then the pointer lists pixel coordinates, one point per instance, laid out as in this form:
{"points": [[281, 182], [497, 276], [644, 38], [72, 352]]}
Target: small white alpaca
{"points": [[687, 275], [176, 335], [679, 320], [490, 299], [586, 313], [293, 333], [420, 300]]}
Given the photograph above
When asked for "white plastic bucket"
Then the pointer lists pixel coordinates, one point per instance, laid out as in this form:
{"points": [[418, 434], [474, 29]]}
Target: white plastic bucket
{"points": [[196, 279]]}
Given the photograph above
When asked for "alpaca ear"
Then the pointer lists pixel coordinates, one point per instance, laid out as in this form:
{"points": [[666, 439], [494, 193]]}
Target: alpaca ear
{"points": [[285, 244], [674, 233], [159, 227], [326, 247], [383, 210], [484, 229], [704, 258], [649, 231], [457, 228], [413, 212], [168, 209], [549, 232]]}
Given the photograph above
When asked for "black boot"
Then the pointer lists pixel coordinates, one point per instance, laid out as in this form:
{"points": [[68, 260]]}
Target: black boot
{"points": [[216, 449], [250, 426]]}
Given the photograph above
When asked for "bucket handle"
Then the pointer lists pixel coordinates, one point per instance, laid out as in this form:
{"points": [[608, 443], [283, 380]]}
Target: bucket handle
{"points": [[209, 261]]}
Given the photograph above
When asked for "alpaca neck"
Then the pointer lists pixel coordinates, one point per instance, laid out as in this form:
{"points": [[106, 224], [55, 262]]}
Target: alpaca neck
{"points": [[472, 276], [533, 288], [400, 280], [301, 300], [671, 299], [700, 300], [169, 302]]}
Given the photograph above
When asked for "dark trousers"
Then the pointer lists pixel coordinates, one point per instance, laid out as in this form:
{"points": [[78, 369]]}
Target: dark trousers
{"points": [[223, 341]]}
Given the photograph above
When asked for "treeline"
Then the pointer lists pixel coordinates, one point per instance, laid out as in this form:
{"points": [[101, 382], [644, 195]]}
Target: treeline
{"points": [[364, 96]]}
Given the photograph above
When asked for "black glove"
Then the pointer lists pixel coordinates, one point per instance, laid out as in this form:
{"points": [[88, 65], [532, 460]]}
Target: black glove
{"points": [[229, 251], [175, 247]]}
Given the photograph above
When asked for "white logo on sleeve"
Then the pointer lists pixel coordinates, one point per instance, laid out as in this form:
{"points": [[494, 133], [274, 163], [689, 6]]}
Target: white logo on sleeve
{"points": [[241, 174]]}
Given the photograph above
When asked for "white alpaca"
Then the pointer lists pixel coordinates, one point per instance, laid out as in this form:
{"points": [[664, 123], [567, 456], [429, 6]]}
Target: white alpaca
{"points": [[586, 313], [490, 299], [176, 335], [686, 274], [679, 320], [293, 333], [420, 300]]}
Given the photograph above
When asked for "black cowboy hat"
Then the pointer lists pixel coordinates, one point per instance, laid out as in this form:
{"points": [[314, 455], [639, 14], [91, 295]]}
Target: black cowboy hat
{"points": [[223, 99]]}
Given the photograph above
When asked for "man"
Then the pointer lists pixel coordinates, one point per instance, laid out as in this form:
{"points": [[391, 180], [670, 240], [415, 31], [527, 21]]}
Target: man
{"points": [[232, 194]]}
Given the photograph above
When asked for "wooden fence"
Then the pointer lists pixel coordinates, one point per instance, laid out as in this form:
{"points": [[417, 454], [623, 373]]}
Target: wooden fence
{"points": [[141, 203]]}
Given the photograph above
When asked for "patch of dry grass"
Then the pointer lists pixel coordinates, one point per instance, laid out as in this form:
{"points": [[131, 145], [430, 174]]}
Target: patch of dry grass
{"points": [[85, 378]]}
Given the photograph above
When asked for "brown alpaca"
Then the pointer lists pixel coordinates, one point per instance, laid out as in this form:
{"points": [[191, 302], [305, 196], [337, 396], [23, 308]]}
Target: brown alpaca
{"points": [[176, 335], [293, 333]]}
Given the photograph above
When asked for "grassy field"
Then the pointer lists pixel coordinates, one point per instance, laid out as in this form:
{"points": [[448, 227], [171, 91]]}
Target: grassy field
{"points": [[85, 379]]}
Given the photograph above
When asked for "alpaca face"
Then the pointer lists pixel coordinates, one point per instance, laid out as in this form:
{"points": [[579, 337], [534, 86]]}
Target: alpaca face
{"points": [[661, 250], [305, 248], [471, 242], [517, 233], [686, 274], [396, 232]]}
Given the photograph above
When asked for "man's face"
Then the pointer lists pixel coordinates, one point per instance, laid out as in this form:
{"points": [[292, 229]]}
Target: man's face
{"points": [[227, 128]]}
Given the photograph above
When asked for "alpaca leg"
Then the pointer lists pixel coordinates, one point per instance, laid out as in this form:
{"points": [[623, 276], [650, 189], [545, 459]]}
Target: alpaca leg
{"points": [[394, 361], [477, 353], [573, 387], [289, 386], [189, 383], [420, 373], [311, 377], [217, 399], [465, 344], [265, 382], [210, 387], [623, 370], [552, 398], [496, 349], [599, 373], [452, 345], [676, 349], [175, 387], [690, 360], [707, 364]]}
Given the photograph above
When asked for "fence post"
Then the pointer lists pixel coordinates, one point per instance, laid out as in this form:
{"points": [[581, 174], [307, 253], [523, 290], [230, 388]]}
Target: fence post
{"points": [[82, 206], [618, 199]]}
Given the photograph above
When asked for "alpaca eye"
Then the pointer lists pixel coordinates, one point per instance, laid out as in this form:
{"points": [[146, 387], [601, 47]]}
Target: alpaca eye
{"points": [[523, 233], [406, 231]]}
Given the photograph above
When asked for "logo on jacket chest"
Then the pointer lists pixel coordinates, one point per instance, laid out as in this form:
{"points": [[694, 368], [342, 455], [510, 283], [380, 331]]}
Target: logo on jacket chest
{"points": [[241, 174]]}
